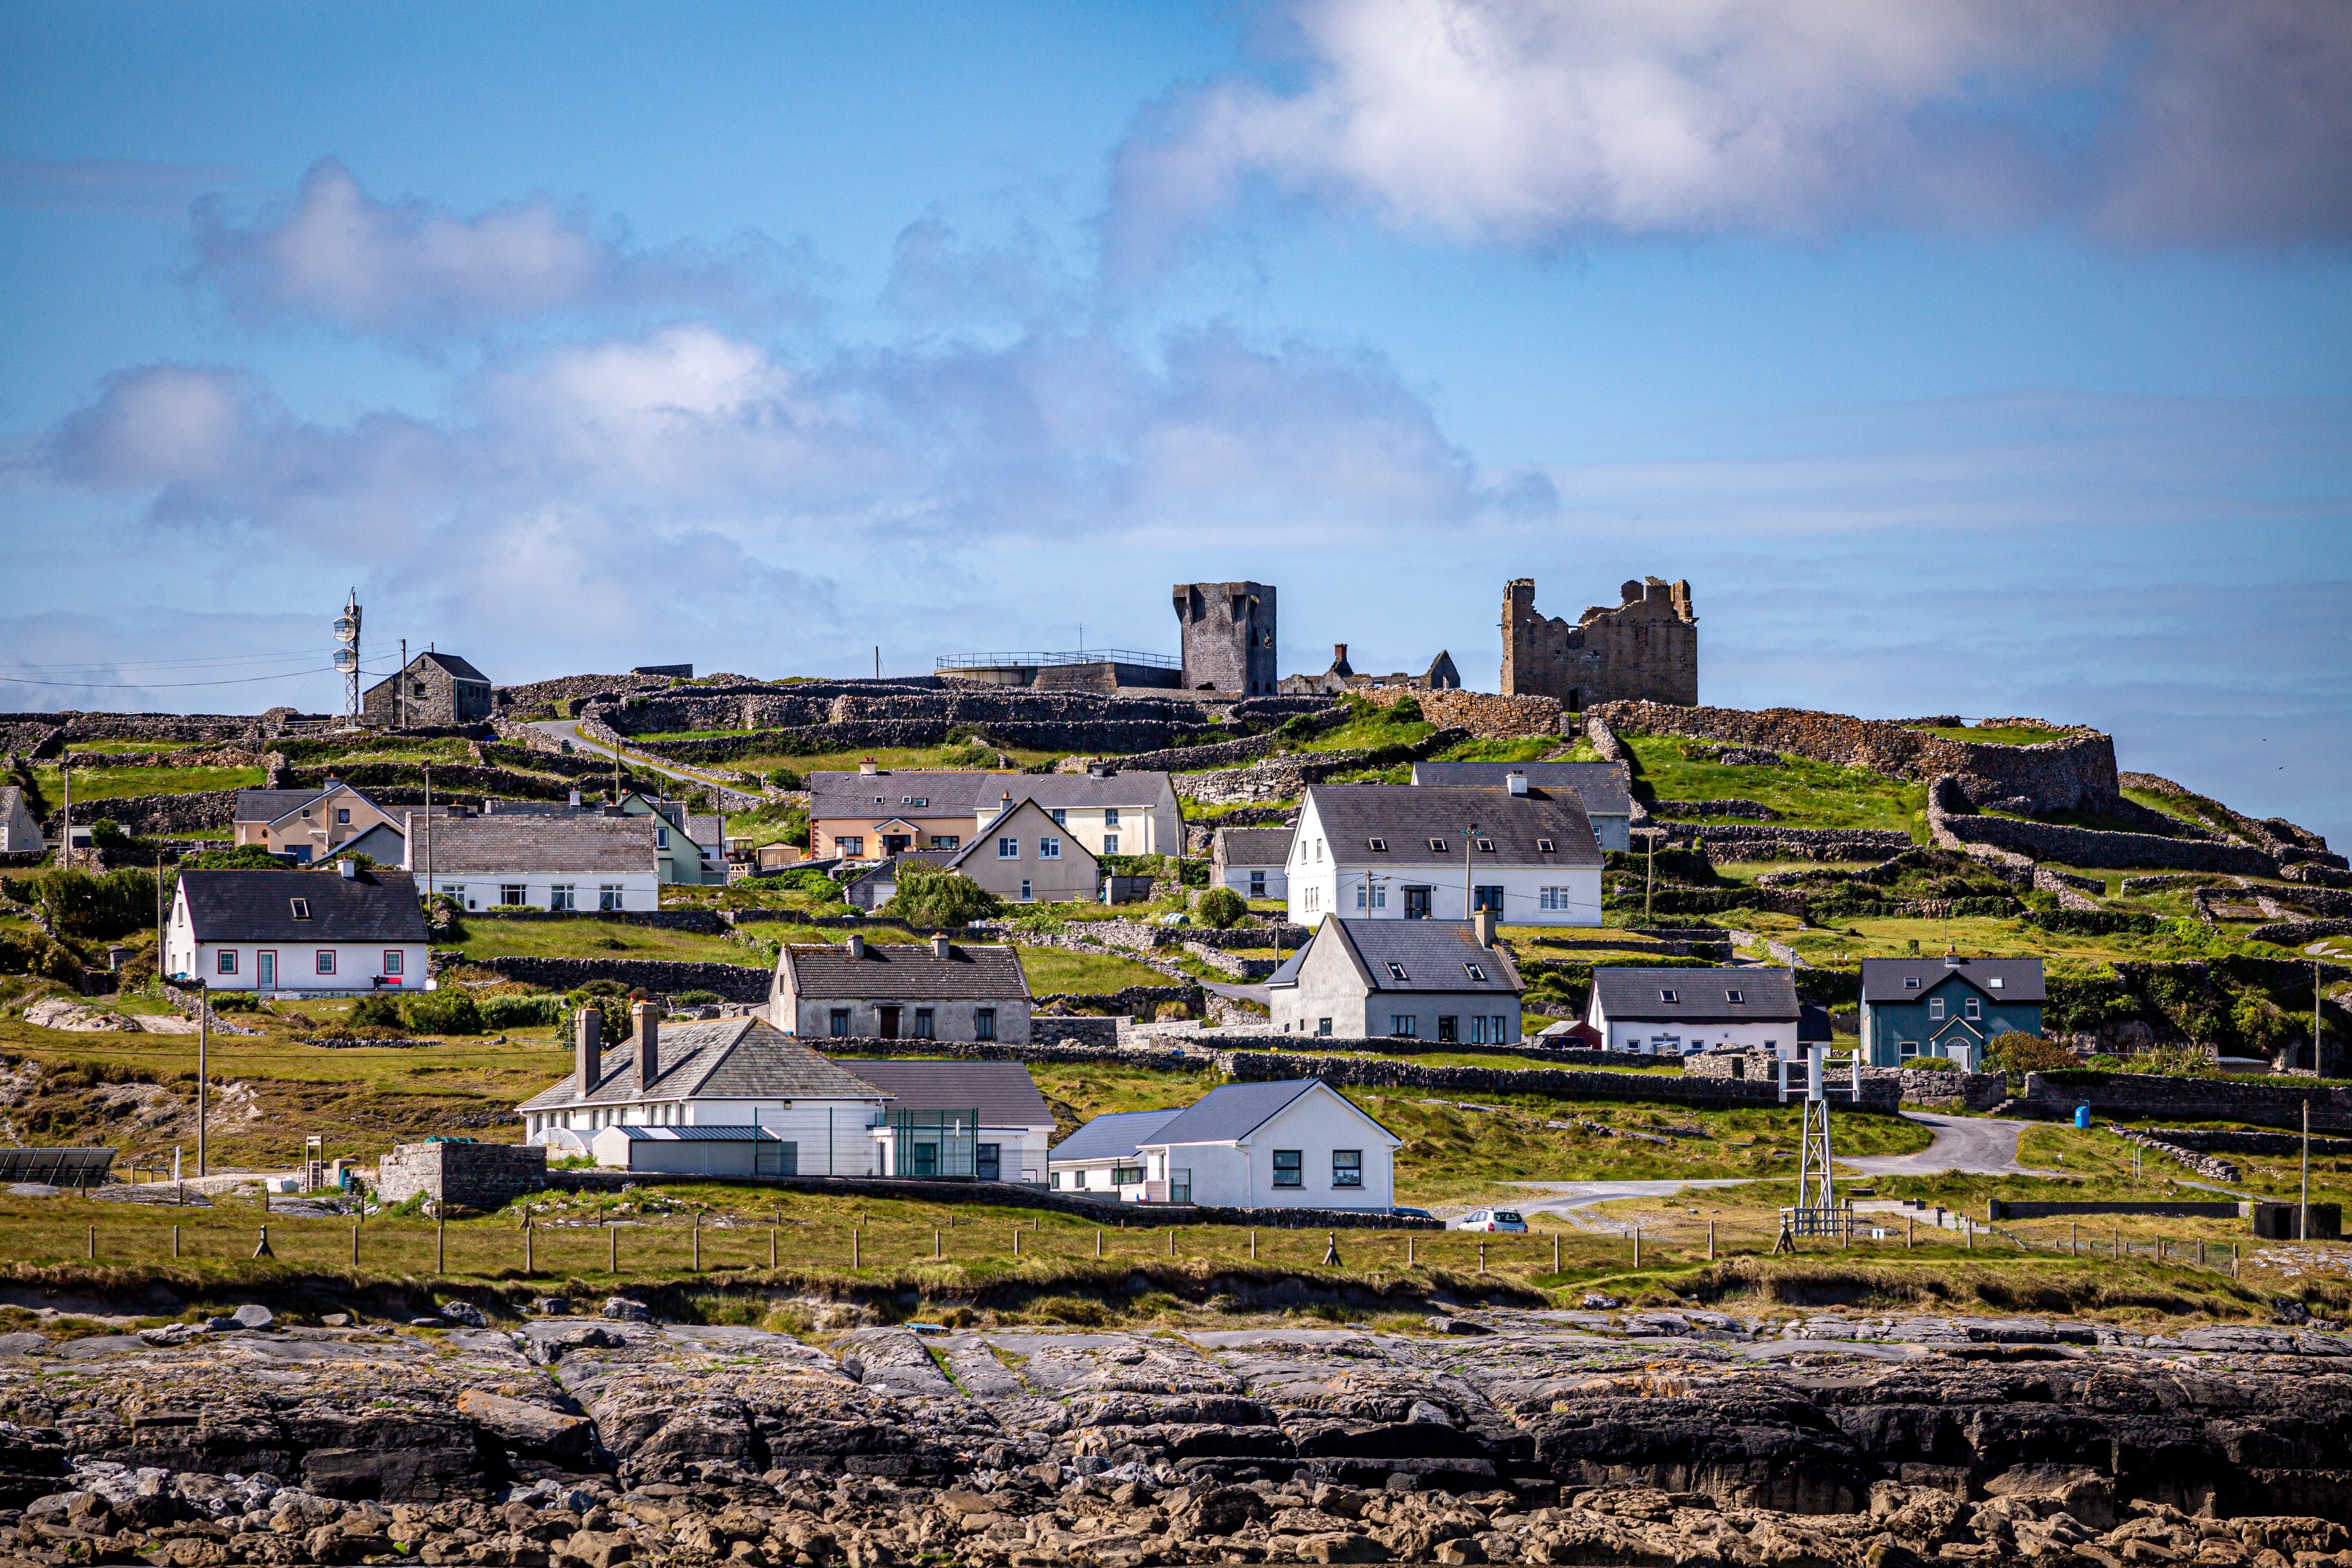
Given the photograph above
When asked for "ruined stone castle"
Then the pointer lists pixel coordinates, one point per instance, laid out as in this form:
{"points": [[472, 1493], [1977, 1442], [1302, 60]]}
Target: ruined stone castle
{"points": [[1646, 649], [1229, 638]]}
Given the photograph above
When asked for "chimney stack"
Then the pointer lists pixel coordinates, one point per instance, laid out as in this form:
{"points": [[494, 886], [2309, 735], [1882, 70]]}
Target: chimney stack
{"points": [[1519, 782], [855, 943], [587, 1046], [348, 868], [1482, 925], [647, 1015], [939, 944], [1338, 653], [867, 766], [1951, 957], [575, 800]]}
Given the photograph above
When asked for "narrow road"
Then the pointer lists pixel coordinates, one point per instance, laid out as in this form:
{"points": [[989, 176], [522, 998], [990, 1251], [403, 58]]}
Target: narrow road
{"points": [[569, 729], [1234, 991], [1972, 1145], [1568, 1200]]}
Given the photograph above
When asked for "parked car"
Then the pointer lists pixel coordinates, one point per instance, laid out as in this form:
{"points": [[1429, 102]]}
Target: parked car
{"points": [[1412, 1214], [1493, 1219]]}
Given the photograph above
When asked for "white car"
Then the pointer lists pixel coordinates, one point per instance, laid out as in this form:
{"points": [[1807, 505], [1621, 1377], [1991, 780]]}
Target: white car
{"points": [[1493, 1219]]}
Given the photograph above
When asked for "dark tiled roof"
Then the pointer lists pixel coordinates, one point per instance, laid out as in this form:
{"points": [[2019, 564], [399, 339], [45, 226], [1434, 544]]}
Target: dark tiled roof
{"points": [[1605, 788], [460, 669], [1003, 1092], [1112, 1137], [908, 971], [721, 1059], [583, 842], [1703, 995], [1235, 1111], [258, 906], [2021, 978], [1430, 952], [270, 804], [885, 795], [1409, 817], [1253, 845], [1088, 790]]}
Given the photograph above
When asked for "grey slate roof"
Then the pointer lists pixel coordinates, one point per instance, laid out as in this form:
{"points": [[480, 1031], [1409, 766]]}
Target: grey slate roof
{"points": [[270, 804], [891, 793], [2021, 978], [1140, 790], [1407, 818], [1253, 845], [720, 1058], [584, 842], [1702, 995], [1605, 788], [258, 906], [1113, 1137], [893, 970], [1003, 1092], [1235, 1111], [1434, 955], [459, 667]]}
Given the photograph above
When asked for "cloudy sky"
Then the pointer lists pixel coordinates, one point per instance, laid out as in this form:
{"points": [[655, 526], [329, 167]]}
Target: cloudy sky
{"points": [[1970, 356]]}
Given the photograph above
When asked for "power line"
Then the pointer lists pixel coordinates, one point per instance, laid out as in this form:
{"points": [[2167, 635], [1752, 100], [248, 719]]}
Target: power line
{"points": [[165, 663], [165, 685]]}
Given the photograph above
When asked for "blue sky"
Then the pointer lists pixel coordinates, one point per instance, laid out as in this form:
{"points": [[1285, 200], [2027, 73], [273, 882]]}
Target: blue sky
{"points": [[1966, 356]]}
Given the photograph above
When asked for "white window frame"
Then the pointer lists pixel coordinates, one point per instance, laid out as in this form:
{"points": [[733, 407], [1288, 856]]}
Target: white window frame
{"points": [[1935, 1009], [1110, 843], [610, 896], [562, 896], [1049, 848], [1110, 817], [1008, 849]]}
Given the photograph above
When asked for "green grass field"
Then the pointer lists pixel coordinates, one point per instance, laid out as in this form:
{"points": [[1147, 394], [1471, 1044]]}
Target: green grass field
{"points": [[1993, 735], [1061, 969], [116, 784], [1805, 794], [949, 759], [489, 937]]}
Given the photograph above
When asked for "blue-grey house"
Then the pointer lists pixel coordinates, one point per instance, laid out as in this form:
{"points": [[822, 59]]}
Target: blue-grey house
{"points": [[1949, 1006]]}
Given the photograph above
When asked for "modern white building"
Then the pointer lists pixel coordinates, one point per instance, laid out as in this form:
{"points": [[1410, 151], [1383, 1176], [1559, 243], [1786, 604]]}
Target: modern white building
{"points": [[298, 932], [1298, 1143], [1446, 981], [1679, 1012], [950, 1118], [1106, 1156], [1445, 852], [555, 859]]}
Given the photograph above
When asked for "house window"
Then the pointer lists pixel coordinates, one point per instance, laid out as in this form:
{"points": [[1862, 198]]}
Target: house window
{"points": [[1935, 1007], [1994, 983], [392, 959], [1971, 1008], [1495, 1029], [850, 844], [1024, 890], [987, 1162], [1257, 885], [1125, 1176], [1670, 995], [1543, 847], [1312, 899], [1487, 898], [608, 895], [227, 963], [1008, 849], [1486, 846], [343, 814], [1910, 982], [923, 800], [1110, 843], [946, 841], [1909, 1047], [326, 961], [984, 1023], [559, 897], [1448, 1030], [1396, 972], [301, 908], [1475, 971], [841, 1023], [1289, 1168], [1380, 845], [511, 893], [1552, 899], [1404, 1026], [1049, 848], [1323, 1027], [1061, 818], [925, 1027], [661, 837], [1735, 996], [1110, 817], [1477, 1030], [1347, 1167], [1437, 846], [1372, 896]]}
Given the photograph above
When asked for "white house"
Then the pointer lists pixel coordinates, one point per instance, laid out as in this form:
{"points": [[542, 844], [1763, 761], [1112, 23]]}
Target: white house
{"points": [[1446, 981], [1445, 852], [1104, 1155], [1678, 1012], [727, 1096], [539, 860], [20, 830], [1252, 861], [298, 932], [951, 1119], [1294, 1144]]}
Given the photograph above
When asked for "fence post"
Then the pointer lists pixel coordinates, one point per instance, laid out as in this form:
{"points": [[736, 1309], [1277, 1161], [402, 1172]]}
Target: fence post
{"points": [[175, 1241], [440, 1244], [697, 1227], [2073, 1238], [1171, 1241], [612, 1235], [2234, 1260], [854, 1246], [2201, 1252], [1910, 1231], [92, 1251], [771, 1246], [2119, 1244], [937, 1242], [1408, 1250], [1482, 1256], [1969, 1229], [530, 1261], [1016, 1241], [1554, 1247], [355, 1244], [1710, 1241], [1098, 1244], [1637, 1247]]}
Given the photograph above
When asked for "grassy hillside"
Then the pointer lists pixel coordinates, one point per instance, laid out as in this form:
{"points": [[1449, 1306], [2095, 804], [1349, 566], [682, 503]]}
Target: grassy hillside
{"points": [[1805, 794]]}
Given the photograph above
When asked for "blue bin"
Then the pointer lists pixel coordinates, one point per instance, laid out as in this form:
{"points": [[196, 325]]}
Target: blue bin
{"points": [[2082, 1118]]}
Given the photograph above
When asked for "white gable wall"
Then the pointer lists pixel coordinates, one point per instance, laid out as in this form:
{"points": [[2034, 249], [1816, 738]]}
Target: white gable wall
{"points": [[1241, 1175]]}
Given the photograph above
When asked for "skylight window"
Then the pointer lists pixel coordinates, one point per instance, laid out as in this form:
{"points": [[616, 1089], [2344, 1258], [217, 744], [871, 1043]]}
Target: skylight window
{"points": [[1994, 982], [1735, 996], [1437, 845], [1474, 971], [1543, 847], [1380, 844], [301, 908], [1486, 846], [1910, 982], [1396, 972], [1670, 995]]}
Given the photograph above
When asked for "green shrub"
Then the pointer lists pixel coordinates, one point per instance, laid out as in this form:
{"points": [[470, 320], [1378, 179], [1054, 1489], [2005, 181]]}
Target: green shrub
{"points": [[593, 988], [929, 897], [2014, 1051], [445, 1013], [785, 778], [698, 998], [32, 953], [1932, 1063], [376, 1010], [79, 903], [240, 857], [1405, 710], [1219, 907], [520, 1012], [233, 1002]]}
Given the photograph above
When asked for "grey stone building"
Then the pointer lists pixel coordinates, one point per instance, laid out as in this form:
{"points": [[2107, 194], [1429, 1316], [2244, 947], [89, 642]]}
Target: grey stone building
{"points": [[1446, 981], [939, 990], [1643, 648], [1229, 638], [436, 689]]}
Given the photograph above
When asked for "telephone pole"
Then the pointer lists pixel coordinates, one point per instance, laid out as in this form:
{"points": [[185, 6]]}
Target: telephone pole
{"points": [[1468, 835], [203, 1044], [65, 771], [400, 686]]}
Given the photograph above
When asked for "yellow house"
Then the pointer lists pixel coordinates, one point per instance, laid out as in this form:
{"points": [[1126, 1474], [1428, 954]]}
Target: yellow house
{"points": [[308, 824]]}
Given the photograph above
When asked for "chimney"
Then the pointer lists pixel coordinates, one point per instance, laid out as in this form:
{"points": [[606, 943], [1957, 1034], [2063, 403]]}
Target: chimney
{"points": [[867, 767], [1482, 926], [939, 944], [1338, 653], [647, 1015], [575, 800], [588, 1039], [855, 943], [348, 868], [1519, 782], [1951, 957]]}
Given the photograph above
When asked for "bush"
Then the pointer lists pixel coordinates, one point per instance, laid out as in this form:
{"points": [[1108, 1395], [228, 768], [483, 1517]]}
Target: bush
{"points": [[99, 906], [1405, 710], [1932, 1063], [376, 1011], [2016, 1052], [1219, 907], [2170, 1061], [785, 778], [927, 897], [445, 1013], [520, 1012], [32, 953], [698, 998], [241, 857], [233, 1002]]}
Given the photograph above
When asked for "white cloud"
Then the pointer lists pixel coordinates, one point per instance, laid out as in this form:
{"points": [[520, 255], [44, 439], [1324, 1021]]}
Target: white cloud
{"points": [[1528, 121], [332, 253]]}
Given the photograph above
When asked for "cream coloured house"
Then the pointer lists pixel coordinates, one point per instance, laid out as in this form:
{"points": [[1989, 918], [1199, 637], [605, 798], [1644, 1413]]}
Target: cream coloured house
{"points": [[309, 825]]}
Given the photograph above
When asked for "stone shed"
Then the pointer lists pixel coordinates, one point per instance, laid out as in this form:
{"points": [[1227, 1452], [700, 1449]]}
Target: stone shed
{"points": [[461, 1174]]}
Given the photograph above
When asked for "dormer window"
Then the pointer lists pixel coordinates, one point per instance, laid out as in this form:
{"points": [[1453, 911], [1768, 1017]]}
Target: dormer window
{"points": [[1380, 845], [301, 908], [1474, 971], [1486, 846], [1543, 847], [1994, 983], [1396, 972], [1735, 996], [1910, 982], [1437, 845], [1670, 995]]}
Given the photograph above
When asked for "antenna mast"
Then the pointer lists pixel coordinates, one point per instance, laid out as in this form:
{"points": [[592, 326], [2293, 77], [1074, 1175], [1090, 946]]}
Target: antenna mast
{"points": [[347, 657]]}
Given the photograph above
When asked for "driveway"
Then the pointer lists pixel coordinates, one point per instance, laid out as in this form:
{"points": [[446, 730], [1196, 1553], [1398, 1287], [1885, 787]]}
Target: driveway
{"points": [[1568, 1200], [569, 729], [1972, 1145]]}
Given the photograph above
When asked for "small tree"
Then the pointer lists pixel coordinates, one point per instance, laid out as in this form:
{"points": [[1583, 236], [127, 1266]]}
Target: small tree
{"points": [[785, 778], [1219, 907], [930, 897], [375, 1012], [445, 1013], [2014, 1051], [1405, 711]]}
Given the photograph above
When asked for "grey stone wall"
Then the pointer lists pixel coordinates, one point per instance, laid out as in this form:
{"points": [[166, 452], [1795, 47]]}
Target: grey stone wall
{"points": [[461, 1175], [1247, 1066], [2148, 1095], [2088, 846], [1228, 632], [734, 981], [2294, 934], [703, 922], [1644, 647], [1764, 842], [151, 816]]}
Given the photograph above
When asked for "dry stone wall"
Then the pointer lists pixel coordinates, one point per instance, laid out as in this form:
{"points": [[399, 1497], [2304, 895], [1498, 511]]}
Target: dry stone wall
{"points": [[1376, 1072], [1952, 828], [152, 815], [2147, 1095], [1765, 842], [663, 976], [1481, 713], [461, 1175]]}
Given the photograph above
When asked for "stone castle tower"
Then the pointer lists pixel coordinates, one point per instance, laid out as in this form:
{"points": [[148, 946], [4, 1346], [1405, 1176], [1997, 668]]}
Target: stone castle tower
{"points": [[1645, 648], [1228, 630]]}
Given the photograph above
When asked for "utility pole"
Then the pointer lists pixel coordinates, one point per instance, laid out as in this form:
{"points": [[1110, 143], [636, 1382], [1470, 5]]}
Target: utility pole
{"points": [[400, 687], [429, 836], [65, 771], [2303, 1205], [878, 661], [204, 1052], [2317, 1069], [1468, 834]]}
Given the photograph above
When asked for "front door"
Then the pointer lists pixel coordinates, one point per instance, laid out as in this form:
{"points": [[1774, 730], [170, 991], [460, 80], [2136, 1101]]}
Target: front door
{"points": [[889, 1017], [896, 843], [927, 1159], [1416, 903], [264, 970]]}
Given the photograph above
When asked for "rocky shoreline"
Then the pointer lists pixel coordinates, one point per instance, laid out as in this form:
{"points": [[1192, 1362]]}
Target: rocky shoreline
{"points": [[602, 1437]]}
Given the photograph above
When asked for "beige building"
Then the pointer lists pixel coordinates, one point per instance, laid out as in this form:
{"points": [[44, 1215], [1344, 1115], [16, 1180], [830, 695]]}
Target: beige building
{"points": [[308, 823], [1024, 856], [876, 812], [20, 830]]}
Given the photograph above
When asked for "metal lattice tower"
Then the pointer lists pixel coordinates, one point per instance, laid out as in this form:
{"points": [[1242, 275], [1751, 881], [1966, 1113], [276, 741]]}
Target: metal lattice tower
{"points": [[1816, 1188], [347, 656]]}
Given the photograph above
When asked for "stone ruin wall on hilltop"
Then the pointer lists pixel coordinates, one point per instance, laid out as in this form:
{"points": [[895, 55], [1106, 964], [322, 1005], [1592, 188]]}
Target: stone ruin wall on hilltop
{"points": [[1483, 713], [2076, 773]]}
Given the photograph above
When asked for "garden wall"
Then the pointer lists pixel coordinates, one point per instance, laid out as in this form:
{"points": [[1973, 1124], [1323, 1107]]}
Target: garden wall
{"points": [[734, 981], [1247, 1066], [1481, 713], [2148, 1095], [1951, 828]]}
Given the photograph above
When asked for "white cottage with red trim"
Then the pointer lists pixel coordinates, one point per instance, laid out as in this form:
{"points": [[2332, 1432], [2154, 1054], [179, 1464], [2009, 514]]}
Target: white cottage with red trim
{"points": [[303, 933]]}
